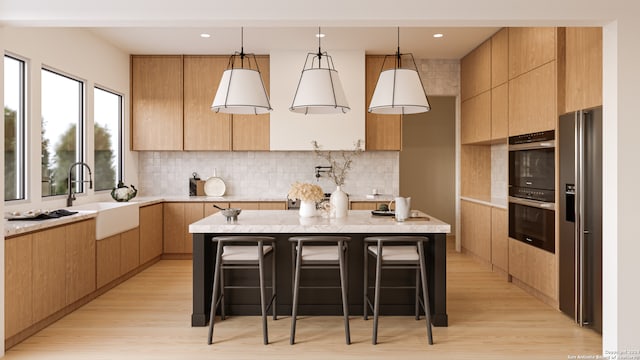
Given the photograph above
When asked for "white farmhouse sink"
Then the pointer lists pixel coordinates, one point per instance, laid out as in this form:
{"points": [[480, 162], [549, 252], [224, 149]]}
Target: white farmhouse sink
{"points": [[112, 217]]}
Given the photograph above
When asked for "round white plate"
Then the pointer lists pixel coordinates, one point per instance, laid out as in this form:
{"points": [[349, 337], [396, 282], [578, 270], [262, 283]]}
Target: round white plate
{"points": [[214, 186]]}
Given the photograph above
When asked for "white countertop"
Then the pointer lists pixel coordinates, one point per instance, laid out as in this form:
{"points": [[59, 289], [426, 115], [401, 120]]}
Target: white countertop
{"points": [[12, 228], [288, 221]]}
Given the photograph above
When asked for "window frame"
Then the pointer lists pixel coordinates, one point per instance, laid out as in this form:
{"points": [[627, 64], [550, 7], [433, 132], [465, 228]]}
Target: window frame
{"points": [[120, 145], [22, 125], [81, 150]]}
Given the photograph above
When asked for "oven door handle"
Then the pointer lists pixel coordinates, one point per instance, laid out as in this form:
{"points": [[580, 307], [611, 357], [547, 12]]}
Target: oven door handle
{"points": [[532, 203], [533, 145]]}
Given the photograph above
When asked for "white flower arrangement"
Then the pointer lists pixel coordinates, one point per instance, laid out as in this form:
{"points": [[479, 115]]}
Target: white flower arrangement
{"points": [[305, 192], [341, 164]]}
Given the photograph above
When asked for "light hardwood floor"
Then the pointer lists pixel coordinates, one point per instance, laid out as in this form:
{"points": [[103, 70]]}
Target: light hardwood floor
{"points": [[148, 317]]}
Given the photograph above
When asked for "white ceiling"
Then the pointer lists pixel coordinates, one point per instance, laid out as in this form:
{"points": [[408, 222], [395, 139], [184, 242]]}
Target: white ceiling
{"points": [[457, 41]]}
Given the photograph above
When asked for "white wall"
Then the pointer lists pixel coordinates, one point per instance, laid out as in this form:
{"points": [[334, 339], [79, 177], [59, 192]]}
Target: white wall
{"points": [[2, 203], [80, 54], [293, 131]]}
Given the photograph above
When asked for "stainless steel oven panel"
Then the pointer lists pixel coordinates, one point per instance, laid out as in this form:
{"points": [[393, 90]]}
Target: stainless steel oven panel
{"points": [[533, 203], [533, 145]]}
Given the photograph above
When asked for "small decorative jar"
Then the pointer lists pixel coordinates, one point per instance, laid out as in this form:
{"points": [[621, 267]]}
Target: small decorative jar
{"points": [[307, 208]]}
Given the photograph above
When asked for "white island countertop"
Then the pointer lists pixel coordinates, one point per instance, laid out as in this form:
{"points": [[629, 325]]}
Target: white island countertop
{"points": [[288, 221]]}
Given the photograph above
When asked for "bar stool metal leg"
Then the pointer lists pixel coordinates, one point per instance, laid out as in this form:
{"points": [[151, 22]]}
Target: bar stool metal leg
{"points": [[365, 301], [214, 300], [376, 301], [296, 286], [418, 277], [263, 299], [425, 293], [273, 283], [343, 286], [222, 307]]}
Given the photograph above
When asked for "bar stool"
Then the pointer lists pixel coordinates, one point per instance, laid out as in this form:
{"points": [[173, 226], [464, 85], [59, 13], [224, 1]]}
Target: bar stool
{"points": [[243, 252], [398, 252], [319, 252]]}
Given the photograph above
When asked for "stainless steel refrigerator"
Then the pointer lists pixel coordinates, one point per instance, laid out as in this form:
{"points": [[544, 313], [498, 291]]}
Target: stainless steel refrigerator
{"points": [[580, 170]]}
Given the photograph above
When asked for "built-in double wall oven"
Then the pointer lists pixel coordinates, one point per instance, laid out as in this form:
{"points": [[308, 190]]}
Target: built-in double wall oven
{"points": [[532, 189]]}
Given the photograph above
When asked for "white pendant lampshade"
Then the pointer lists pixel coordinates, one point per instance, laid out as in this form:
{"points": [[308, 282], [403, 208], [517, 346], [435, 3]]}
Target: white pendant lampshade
{"points": [[320, 92], [241, 89], [319, 89], [399, 91]]}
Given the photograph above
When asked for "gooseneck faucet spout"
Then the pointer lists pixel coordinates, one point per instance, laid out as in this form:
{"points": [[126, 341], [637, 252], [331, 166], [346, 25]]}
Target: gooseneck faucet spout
{"points": [[70, 181]]}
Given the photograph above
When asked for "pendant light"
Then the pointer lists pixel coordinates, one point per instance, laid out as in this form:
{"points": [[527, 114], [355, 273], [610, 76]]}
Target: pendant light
{"points": [[399, 90], [241, 89], [319, 90]]}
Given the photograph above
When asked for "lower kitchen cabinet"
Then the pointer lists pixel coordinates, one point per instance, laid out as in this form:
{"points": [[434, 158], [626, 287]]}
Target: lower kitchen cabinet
{"points": [[535, 267], [18, 280], [368, 205], [500, 239], [129, 250], [177, 217], [150, 232], [49, 267], [108, 253], [80, 250], [475, 229]]}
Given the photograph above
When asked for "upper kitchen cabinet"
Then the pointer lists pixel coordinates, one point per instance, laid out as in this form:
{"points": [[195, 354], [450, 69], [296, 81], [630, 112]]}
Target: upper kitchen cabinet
{"points": [[251, 132], [475, 115], [530, 48], [383, 132], [532, 101], [500, 57], [583, 77], [293, 131], [475, 71], [203, 128], [156, 102]]}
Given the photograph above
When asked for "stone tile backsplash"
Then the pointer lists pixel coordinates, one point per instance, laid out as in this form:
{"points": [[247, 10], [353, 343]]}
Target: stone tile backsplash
{"points": [[261, 174], [499, 171]]}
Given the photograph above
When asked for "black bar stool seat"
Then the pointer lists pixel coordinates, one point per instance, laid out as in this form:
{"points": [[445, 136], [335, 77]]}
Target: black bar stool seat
{"points": [[319, 252], [396, 252], [243, 252]]}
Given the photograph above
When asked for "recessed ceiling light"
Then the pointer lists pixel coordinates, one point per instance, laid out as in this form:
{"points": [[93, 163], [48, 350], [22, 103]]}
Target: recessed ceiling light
{"points": [[320, 35], [438, 35], [205, 35]]}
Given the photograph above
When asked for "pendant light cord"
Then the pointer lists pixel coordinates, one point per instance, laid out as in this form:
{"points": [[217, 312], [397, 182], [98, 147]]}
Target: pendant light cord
{"points": [[398, 52]]}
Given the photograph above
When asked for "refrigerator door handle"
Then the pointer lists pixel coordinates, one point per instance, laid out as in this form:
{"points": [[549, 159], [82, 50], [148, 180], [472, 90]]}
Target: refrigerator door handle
{"points": [[580, 230]]}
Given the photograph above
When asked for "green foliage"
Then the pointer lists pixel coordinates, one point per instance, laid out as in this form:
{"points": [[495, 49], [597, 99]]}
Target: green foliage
{"points": [[10, 164], [105, 172]]}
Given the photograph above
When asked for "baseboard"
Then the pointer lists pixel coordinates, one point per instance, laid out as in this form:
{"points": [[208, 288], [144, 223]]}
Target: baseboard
{"points": [[535, 293]]}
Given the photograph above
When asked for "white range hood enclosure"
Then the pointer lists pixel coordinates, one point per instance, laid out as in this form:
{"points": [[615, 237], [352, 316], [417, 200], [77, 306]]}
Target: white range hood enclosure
{"points": [[292, 131]]}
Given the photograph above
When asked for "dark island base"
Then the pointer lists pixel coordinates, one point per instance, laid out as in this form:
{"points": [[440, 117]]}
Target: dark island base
{"points": [[318, 301]]}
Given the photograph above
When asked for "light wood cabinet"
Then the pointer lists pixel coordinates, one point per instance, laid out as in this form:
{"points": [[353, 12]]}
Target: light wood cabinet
{"points": [[535, 267], [500, 57], [583, 78], [500, 112], [49, 266], [475, 229], [475, 171], [176, 220], [108, 253], [383, 132], [500, 239], [203, 128], [18, 279], [252, 132], [532, 101], [529, 48], [363, 205], [275, 205], [245, 205], [475, 71], [476, 119], [129, 250], [80, 252], [150, 232], [156, 102]]}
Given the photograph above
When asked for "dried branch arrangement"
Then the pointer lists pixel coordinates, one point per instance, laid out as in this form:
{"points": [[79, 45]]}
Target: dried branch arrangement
{"points": [[340, 161]]}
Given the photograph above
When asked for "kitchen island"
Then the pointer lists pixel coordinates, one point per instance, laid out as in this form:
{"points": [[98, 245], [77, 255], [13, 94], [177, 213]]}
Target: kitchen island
{"points": [[283, 224]]}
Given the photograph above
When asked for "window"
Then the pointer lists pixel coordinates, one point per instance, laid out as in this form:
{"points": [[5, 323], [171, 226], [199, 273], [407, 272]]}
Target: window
{"points": [[62, 122], [107, 135], [14, 132]]}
